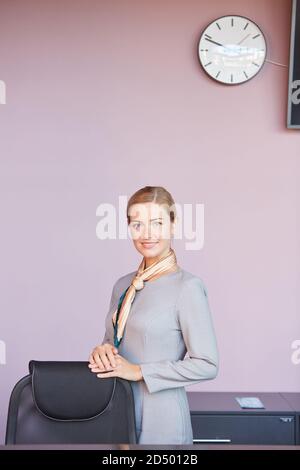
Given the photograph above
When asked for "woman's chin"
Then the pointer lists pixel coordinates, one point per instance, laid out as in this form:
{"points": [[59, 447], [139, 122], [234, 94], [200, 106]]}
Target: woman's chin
{"points": [[150, 251]]}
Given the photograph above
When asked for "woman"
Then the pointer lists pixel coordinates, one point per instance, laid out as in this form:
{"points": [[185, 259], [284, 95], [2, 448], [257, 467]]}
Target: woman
{"points": [[156, 315]]}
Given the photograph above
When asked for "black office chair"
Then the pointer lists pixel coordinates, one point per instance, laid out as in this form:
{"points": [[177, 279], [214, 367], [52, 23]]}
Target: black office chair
{"points": [[66, 403]]}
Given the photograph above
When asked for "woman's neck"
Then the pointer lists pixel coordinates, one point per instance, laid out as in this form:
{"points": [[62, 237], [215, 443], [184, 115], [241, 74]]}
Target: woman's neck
{"points": [[150, 261]]}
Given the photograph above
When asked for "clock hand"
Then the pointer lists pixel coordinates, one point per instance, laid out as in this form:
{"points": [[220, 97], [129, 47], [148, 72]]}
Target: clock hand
{"points": [[218, 44], [244, 38]]}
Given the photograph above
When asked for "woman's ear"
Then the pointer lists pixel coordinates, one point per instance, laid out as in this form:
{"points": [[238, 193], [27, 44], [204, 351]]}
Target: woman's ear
{"points": [[173, 227]]}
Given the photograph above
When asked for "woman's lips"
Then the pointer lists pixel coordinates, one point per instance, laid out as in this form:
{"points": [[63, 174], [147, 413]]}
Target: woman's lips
{"points": [[149, 245]]}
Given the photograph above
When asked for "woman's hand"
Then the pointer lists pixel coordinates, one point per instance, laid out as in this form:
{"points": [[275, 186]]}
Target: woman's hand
{"points": [[103, 357], [117, 366]]}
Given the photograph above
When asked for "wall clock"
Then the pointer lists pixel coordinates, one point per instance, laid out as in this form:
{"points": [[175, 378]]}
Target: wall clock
{"points": [[232, 49]]}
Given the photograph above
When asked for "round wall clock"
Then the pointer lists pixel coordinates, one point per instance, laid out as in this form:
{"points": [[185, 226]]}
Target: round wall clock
{"points": [[232, 49]]}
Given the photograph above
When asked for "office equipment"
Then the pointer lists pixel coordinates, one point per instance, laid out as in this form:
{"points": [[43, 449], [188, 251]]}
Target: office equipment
{"points": [[249, 402], [293, 399], [293, 115], [217, 418]]}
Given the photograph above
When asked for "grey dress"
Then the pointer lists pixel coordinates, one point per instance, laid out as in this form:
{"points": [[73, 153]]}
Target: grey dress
{"points": [[169, 317]]}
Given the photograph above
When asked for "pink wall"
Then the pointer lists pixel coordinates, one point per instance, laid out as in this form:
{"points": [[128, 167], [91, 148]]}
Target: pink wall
{"points": [[105, 97]]}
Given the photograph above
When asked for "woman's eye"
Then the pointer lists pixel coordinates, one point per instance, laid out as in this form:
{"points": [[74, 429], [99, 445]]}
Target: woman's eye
{"points": [[137, 226]]}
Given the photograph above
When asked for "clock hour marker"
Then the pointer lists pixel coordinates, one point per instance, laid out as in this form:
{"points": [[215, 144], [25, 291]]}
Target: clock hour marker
{"points": [[204, 50], [214, 42], [245, 74], [207, 36], [207, 64], [246, 25], [231, 78], [218, 73], [231, 21], [254, 37], [218, 25], [255, 64]]}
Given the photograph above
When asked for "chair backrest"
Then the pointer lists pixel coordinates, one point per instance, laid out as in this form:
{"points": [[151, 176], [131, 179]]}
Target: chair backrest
{"points": [[64, 402]]}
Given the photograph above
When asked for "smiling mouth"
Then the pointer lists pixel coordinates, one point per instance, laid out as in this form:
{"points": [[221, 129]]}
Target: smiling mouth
{"points": [[149, 244]]}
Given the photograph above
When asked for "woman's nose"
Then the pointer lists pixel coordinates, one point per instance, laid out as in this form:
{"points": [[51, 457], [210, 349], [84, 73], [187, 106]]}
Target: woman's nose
{"points": [[147, 235]]}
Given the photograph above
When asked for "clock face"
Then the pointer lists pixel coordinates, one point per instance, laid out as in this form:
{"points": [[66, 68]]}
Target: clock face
{"points": [[232, 49]]}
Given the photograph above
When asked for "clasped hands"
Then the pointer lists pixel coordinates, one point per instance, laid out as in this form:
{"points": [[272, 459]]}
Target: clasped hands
{"points": [[105, 361]]}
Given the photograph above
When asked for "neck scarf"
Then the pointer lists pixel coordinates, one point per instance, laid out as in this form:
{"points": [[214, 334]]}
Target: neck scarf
{"points": [[162, 266]]}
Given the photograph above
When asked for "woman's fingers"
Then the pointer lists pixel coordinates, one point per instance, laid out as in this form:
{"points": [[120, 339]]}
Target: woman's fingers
{"points": [[111, 369], [98, 360], [111, 358], [108, 374], [103, 358]]}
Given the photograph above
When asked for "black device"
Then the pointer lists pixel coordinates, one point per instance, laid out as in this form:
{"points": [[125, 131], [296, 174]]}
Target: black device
{"points": [[293, 117]]}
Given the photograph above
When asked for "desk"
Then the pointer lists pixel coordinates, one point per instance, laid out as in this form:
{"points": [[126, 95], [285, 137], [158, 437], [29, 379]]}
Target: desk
{"points": [[217, 418], [105, 447], [293, 399]]}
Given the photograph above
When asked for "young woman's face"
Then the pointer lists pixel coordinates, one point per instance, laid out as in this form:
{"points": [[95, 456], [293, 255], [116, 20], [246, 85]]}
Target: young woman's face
{"points": [[150, 229]]}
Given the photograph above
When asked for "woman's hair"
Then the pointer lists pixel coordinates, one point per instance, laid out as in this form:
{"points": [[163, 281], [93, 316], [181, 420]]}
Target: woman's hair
{"points": [[156, 194]]}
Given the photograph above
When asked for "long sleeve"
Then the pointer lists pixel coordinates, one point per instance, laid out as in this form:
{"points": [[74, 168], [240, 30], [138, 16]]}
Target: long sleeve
{"points": [[198, 333], [112, 305]]}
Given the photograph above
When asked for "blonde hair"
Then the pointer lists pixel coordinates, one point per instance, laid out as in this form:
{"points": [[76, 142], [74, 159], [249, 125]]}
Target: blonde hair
{"points": [[156, 194]]}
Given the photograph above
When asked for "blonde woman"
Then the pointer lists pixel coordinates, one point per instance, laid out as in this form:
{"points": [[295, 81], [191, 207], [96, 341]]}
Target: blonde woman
{"points": [[157, 314]]}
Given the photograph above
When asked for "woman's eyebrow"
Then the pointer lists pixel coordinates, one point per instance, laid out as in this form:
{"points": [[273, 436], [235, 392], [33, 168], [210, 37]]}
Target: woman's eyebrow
{"points": [[136, 220]]}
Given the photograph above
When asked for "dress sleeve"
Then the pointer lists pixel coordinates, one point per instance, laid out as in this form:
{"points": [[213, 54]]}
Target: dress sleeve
{"points": [[199, 337], [108, 338]]}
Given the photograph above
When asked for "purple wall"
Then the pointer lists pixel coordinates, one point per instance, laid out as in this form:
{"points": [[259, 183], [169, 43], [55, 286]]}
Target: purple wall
{"points": [[103, 98]]}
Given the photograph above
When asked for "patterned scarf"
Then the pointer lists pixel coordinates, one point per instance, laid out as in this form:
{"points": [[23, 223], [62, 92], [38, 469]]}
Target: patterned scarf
{"points": [[119, 318]]}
